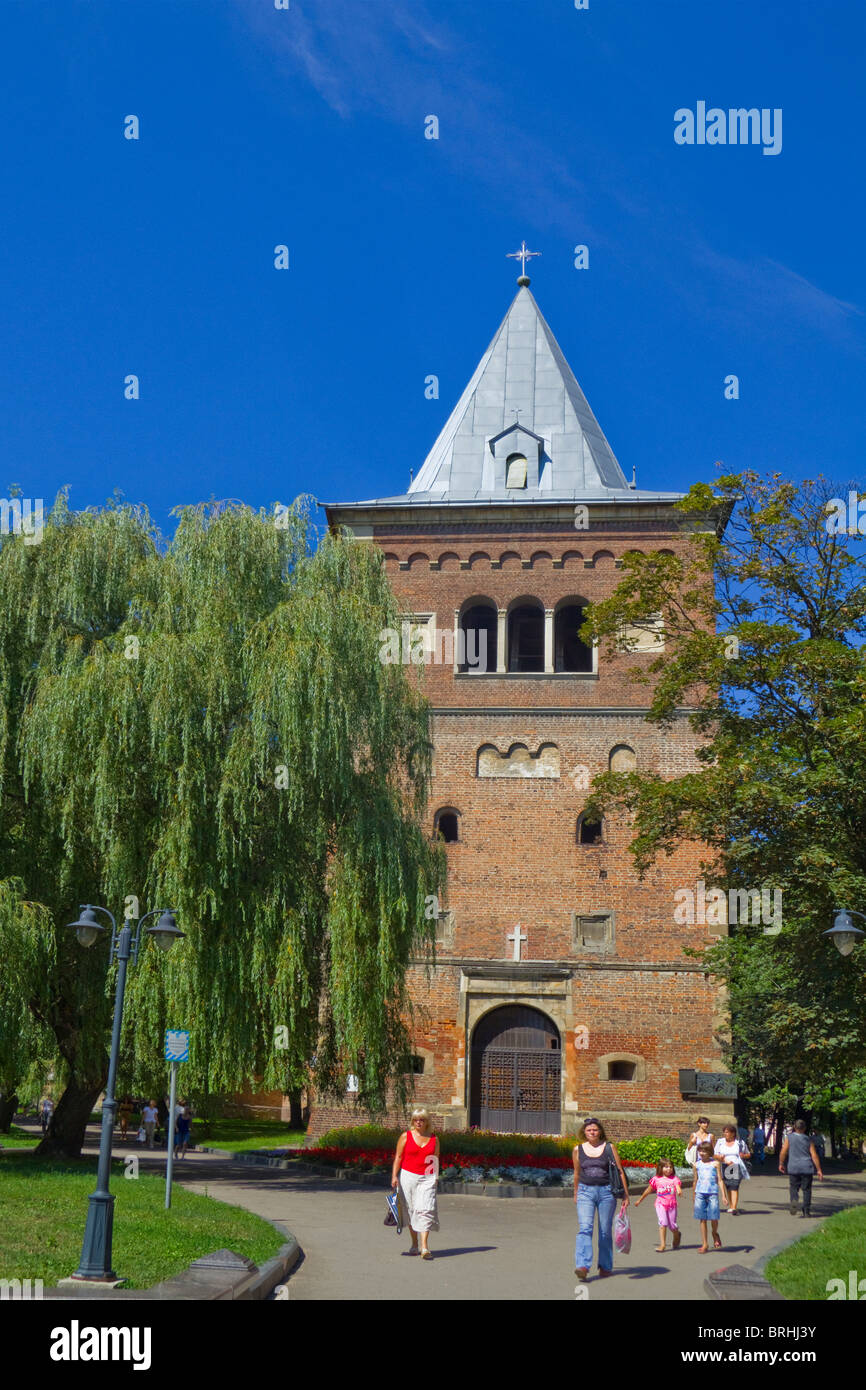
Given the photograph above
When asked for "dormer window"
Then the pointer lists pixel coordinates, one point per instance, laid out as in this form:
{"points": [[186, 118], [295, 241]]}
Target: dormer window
{"points": [[515, 470]]}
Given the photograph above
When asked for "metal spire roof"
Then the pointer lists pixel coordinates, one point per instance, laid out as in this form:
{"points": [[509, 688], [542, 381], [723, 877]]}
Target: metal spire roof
{"points": [[523, 370], [523, 399]]}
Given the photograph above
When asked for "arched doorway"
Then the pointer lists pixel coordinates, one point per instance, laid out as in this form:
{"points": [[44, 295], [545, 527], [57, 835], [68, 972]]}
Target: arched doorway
{"points": [[515, 1071]]}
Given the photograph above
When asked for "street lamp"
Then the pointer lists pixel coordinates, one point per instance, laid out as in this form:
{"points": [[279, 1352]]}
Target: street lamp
{"points": [[96, 1250], [166, 932], [843, 933]]}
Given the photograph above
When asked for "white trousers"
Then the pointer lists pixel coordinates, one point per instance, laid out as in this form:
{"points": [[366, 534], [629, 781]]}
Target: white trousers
{"points": [[419, 1199]]}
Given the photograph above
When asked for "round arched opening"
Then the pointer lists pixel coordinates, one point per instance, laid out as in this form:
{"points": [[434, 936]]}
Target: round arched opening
{"points": [[447, 825], [516, 1072]]}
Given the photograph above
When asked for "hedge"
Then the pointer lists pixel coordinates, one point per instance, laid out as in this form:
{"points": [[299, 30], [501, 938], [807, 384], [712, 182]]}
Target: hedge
{"points": [[458, 1147]]}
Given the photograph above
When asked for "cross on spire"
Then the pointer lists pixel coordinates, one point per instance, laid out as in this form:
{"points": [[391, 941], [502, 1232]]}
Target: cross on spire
{"points": [[523, 255]]}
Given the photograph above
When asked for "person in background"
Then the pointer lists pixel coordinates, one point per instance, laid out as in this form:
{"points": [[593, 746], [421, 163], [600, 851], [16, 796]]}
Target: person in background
{"points": [[801, 1157], [733, 1153], [759, 1139], [701, 1134], [46, 1110], [124, 1110], [181, 1130], [592, 1156], [149, 1118]]}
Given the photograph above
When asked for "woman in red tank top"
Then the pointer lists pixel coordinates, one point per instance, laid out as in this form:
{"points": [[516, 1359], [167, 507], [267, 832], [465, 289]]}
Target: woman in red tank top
{"points": [[415, 1173]]}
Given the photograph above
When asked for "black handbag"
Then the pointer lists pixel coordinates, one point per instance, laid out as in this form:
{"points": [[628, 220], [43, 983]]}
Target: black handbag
{"points": [[616, 1183]]}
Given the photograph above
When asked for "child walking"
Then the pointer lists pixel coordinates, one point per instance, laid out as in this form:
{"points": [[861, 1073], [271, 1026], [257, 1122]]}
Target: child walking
{"points": [[667, 1188], [709, 1182]]}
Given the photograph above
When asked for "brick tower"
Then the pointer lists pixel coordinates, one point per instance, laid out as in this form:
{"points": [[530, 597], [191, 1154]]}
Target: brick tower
{"points": [[561, 985]]}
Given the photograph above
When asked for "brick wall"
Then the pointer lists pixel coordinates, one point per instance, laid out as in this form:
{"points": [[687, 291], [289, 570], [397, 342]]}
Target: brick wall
{"points": [[517, 859]]}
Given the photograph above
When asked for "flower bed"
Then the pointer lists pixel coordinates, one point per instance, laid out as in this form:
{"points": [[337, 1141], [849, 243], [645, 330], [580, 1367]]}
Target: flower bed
{"points": [[541, 1169], [483, 1148]]}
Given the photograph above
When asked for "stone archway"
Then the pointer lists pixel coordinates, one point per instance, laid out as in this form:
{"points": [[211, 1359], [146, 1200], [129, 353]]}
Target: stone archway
{"points": [[516, 1071]]}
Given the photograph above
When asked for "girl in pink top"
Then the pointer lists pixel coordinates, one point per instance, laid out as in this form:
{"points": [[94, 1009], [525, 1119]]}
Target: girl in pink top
{"points": [[667, 1188]]}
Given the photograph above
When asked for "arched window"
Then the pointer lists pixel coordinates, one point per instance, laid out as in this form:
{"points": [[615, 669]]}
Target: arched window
{"points": [[446, 824], [479, 628], [515, 470], [570, 654], [526, 638], [589, 832], [622, 758]]}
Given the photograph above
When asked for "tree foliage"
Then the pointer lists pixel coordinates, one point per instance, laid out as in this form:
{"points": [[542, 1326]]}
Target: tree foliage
{"points": [[764, 616], [205, 724]]}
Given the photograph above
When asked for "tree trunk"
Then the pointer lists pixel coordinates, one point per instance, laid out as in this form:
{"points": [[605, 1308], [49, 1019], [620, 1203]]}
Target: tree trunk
{"points": [[65, 1135], [8, 1106], [295, 1114]]}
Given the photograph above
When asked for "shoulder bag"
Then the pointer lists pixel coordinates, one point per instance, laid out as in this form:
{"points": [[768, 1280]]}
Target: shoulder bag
{"points": [[616, 1183]]}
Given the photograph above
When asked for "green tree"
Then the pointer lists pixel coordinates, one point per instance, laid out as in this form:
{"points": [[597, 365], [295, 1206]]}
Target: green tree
{"points": [[205, 724], [764, 614], [25, 1044]]}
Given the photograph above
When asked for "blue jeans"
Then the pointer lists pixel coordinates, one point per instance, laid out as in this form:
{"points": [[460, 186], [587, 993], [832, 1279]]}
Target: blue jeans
{"points": [[589, 1201]]}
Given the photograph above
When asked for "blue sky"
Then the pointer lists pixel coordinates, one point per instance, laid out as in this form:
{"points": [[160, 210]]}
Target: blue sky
{"points": [[306, 127]]}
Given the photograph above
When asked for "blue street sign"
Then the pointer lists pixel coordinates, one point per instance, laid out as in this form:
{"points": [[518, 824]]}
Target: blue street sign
{"points": [[176, 1045]]}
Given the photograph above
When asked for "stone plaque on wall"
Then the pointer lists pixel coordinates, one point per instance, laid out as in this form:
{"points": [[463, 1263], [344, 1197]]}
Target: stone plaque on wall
{"points": [[715, 1083]]}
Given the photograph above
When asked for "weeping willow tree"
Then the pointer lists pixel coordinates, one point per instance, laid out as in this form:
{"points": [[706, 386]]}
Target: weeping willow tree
{"points": [[205, 724], [26, 1046]]}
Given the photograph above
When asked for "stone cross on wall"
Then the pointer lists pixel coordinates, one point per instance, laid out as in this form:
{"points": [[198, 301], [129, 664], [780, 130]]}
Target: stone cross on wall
{"points": [[517, 936]]}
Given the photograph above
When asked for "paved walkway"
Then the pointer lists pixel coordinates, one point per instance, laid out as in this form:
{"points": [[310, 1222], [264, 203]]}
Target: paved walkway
{"points": [[492, 1248]]}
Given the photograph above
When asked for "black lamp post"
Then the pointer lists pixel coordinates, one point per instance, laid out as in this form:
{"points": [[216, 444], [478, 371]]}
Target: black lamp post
{"points": [[96, 1251], [843, 932]]}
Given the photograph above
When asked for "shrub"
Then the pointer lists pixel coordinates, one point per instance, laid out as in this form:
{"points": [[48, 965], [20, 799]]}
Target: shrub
{"points": [[652, 1150], [474, 1147], [360, 1137]]}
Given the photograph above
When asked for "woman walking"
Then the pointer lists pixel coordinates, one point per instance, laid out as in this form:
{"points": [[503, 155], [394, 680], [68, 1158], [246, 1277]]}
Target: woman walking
{"points": [[733, 1152], [701, 1135], [415, 1172], [593, 1156], [800, 1157]]}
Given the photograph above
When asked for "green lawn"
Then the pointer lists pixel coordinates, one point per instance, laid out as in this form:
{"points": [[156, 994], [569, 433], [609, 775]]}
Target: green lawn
{"points": [[19, 1139], [804, 1269], [44, 1206], [239, 1135]]}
